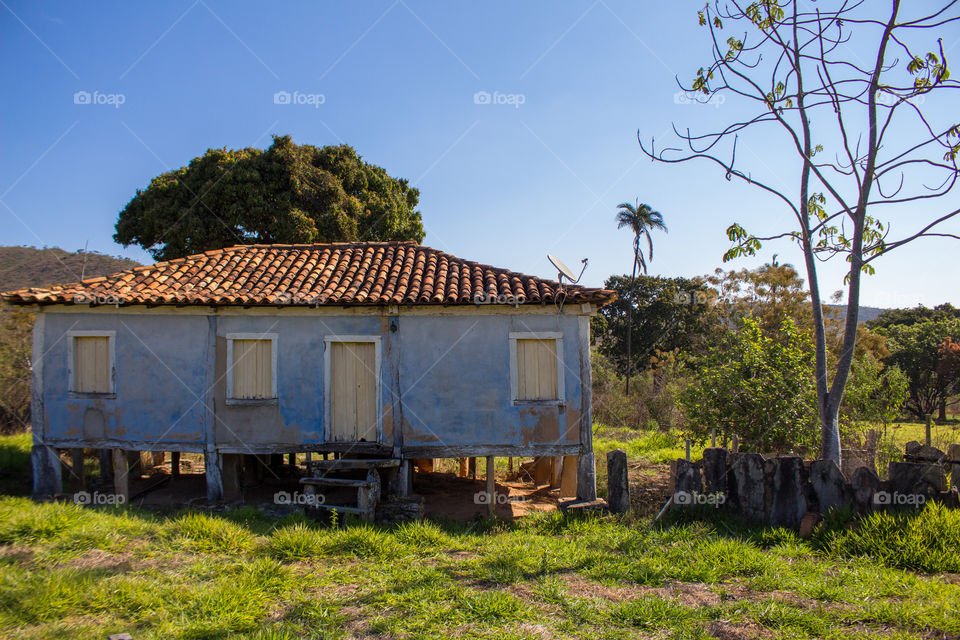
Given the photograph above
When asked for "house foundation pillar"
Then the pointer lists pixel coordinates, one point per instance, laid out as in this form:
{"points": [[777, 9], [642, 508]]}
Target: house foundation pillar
{"points": [[214, 473], [47, 480]]}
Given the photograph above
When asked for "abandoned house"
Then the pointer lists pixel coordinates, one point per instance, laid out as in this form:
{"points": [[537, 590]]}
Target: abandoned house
{"points": [[382, 351]]}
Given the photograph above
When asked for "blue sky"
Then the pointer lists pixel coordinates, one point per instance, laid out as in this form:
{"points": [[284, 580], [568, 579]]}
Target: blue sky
{"points": [[539, 168]]}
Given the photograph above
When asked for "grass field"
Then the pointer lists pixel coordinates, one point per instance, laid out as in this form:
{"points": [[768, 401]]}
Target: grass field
{"points": [[73, 572]]}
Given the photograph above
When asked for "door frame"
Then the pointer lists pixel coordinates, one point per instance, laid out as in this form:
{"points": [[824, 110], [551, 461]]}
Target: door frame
{"points": [[378, 373]]}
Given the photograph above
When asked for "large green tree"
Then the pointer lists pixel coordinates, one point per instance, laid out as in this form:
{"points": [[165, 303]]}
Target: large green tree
{"points": [[288, 193], [640, 219], [668, 314], [918, 350]]}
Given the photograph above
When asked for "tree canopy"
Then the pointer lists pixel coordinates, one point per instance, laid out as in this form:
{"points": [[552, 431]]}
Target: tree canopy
{"points": [[288, 193]]}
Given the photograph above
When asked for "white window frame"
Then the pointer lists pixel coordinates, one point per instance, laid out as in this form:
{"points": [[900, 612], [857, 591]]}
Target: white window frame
{"points": [[514, 375], [272, 337], [378, 372], [71, 363]]}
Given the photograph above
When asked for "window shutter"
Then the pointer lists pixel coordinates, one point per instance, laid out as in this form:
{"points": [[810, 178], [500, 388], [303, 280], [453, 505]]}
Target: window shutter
{"points": [[252, 369], [91, 364], [537, 369]]}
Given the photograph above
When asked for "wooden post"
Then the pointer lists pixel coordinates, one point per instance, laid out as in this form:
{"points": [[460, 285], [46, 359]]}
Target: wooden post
{"points": [[735, 444], [586, 465], [491, 486], [309, 460], [510, 464], [472, 465], [232, 474], [687, 444], [556, 470], [105, 459], [292, 459], [78, 480], [462, 471], [175, 464], [953, 452], [586, 477], [568, 477], [121, 473], [929, 423], [713, 437]]}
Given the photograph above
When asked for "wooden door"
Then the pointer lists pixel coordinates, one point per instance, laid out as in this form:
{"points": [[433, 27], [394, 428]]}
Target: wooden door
{"points": [[353, 392]]}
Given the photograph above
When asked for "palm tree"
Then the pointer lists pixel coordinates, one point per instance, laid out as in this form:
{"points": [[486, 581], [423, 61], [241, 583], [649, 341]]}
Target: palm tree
{"points": [[641, 219]]}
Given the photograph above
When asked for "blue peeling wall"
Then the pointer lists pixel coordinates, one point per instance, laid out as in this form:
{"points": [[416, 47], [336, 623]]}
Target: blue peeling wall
{"points": [[445, 381], [160, 373]]}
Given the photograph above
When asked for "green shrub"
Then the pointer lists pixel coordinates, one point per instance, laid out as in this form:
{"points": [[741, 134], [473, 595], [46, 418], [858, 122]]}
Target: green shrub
{"points": [[927, 540]]}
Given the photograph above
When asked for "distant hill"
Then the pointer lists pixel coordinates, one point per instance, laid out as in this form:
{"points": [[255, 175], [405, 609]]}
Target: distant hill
{"points": [[31, 267], [866, 313]]}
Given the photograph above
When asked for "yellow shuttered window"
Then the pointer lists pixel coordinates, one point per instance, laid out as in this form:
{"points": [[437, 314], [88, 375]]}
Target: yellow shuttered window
{"points": [[537, 369], [92, 365], [252, 369]]}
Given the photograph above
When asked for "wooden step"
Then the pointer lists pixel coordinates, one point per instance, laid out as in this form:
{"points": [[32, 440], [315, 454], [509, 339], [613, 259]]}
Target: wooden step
{"points": [[336, 482], [354, 463], [335, 507]]}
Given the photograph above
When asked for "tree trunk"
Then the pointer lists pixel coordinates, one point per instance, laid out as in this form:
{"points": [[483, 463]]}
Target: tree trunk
{"points": [[633, 281], [942, 411]]}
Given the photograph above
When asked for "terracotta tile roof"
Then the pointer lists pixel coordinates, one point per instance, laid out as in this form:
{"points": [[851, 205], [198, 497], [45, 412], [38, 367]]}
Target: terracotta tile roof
{"points": [[369, 273]]}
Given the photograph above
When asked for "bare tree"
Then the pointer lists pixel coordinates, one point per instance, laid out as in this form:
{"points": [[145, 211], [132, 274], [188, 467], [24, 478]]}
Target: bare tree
{"points": [[836, 82]]}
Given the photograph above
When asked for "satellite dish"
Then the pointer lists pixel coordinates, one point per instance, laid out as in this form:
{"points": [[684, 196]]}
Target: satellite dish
{"points": [[562, 268]]}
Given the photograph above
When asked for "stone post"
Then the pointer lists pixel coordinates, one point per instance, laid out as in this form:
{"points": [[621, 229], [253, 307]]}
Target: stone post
{"points": [[618, 481], [954, 454]]}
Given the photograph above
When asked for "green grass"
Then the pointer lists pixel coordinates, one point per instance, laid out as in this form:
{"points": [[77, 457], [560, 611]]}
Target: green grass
{"points": [[82, 573], [941, 435], [86, 572]]}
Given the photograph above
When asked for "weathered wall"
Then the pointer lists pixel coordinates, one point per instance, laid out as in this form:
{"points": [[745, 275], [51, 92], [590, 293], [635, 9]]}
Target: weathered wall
{"points": [[161, 370], [455, 381], [445, 379]]}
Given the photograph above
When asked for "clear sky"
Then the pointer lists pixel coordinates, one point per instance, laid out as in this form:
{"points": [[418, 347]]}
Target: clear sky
{"points": [[537, 168]]}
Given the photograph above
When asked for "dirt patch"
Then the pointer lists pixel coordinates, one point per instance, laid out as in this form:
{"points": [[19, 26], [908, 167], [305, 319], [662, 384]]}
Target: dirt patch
{"points": [[99, 560], [742, 631], [20, 555], [449, 496], [650, 487]]}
